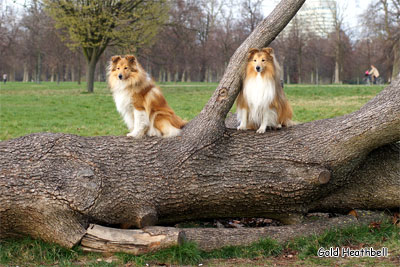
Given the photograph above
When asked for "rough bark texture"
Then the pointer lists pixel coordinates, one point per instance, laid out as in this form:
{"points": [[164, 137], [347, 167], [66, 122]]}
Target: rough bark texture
{"points": [[53, 185]]}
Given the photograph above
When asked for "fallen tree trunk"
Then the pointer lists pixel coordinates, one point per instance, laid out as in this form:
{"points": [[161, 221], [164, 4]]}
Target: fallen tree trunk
{"points": [[215, 238], [53, 185]]}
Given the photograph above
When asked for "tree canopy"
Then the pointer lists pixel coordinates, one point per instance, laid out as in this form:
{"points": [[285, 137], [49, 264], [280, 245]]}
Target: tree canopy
{"points": [[94, 25]]}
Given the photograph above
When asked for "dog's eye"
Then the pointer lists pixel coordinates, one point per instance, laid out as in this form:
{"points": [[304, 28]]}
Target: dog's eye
{"points": [[117, 68], [255, 60], [263, 60], [126, 68]]}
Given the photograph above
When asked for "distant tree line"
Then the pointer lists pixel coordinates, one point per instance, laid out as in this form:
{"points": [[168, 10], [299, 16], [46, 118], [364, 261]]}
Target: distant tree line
{"points": [[192, 40]]}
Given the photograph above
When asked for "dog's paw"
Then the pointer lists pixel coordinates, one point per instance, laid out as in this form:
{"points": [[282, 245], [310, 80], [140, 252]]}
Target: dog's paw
{"points": [[261, 130], [135, 134], [241, 127]]}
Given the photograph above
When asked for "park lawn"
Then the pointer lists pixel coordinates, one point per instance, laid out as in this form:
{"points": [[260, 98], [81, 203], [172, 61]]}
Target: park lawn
{"points": [[301, 251], [50, 107]]}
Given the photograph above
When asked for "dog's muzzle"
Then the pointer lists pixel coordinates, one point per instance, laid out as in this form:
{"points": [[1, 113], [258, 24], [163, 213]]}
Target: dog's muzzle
{"points": [[120, 76], [258, 68]]}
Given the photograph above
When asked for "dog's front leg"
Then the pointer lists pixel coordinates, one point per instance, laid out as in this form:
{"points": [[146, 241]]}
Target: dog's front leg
{"points": [[263, 126], [242, 117], [141, 123], [269, 119]]}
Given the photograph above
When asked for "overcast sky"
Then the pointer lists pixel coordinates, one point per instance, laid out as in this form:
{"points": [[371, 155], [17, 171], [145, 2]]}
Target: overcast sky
{"points": [[352, 10]]}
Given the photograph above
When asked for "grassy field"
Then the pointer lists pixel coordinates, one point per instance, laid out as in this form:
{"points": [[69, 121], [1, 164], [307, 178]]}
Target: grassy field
{"points": [[298, 252], [48, 107]]}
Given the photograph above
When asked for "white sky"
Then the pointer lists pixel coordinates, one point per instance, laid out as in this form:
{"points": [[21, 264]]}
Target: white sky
{"points": [[352, 10]]}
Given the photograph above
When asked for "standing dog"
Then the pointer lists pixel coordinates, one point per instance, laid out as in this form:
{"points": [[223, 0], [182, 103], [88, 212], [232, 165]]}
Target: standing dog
{"points": [[139, 101], [262, 102]]}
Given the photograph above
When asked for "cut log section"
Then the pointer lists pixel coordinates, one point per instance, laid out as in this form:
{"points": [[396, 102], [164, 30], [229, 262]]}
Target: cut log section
{"points": [[105, 239]]}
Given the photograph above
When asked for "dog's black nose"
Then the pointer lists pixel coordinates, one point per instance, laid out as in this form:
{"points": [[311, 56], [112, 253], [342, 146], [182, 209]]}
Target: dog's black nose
{"points": [[258, 68], [120, 76]]}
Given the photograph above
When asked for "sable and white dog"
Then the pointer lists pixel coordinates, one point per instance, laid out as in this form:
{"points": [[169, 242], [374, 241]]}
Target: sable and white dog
{"points": [[139, 101], [262, 103]]}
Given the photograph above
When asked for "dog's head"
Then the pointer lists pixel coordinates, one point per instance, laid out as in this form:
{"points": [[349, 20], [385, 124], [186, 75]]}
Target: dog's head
{"points": [[261, 60], [123, 67]]}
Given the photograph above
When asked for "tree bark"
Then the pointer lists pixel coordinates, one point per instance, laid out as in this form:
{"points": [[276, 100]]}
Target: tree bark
{"points": [[396, 60], [53, 185], [215, 238], [90, 71]]}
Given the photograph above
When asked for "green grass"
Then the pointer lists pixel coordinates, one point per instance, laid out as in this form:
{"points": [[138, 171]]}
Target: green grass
{"points": [[30, 251], [50, 107], [33, 252]]}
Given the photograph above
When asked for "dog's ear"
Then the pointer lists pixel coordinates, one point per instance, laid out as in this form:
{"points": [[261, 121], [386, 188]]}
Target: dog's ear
{"points": [[115, 59], [268, 50], [131, 58], [252, 51]]}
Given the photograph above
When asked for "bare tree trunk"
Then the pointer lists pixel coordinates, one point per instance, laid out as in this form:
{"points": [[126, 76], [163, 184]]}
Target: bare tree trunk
{"points": [[38, 67], [183, 76], [336, 77], [52, 75], [79, 70], [26, 73], [66, 72], [54, 185], [72, 73], [160, 75], [12, 74], [168, 76], [396, 61], [90, 72]]}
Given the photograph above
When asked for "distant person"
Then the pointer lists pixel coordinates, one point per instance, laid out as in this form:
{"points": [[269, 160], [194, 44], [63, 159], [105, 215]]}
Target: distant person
{"points": [[368, 76], [374, 73], [5, 78]]}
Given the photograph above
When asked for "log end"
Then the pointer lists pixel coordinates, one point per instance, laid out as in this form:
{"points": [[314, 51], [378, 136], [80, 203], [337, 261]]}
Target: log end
{"points": [[324, 177]]}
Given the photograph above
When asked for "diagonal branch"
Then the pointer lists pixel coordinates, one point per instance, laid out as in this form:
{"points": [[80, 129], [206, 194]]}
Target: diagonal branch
{"points": [[209, 124]]}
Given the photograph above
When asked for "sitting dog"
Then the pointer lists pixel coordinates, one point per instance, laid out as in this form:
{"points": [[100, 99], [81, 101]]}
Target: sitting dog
{"points": [[262, 103], [139, 101]]}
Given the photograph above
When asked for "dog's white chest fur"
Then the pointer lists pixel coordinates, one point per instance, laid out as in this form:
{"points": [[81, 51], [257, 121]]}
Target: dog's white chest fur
{"points": [[123, 102], [259, 94]]}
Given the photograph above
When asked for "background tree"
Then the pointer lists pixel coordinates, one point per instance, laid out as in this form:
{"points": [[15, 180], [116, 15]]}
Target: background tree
{"points": [[10, 30], [381, 23], [196, 41], [95, 25]]}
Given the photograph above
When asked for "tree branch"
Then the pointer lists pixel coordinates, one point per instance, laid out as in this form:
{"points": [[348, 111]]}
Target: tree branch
{"points": [[209, 124]]}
